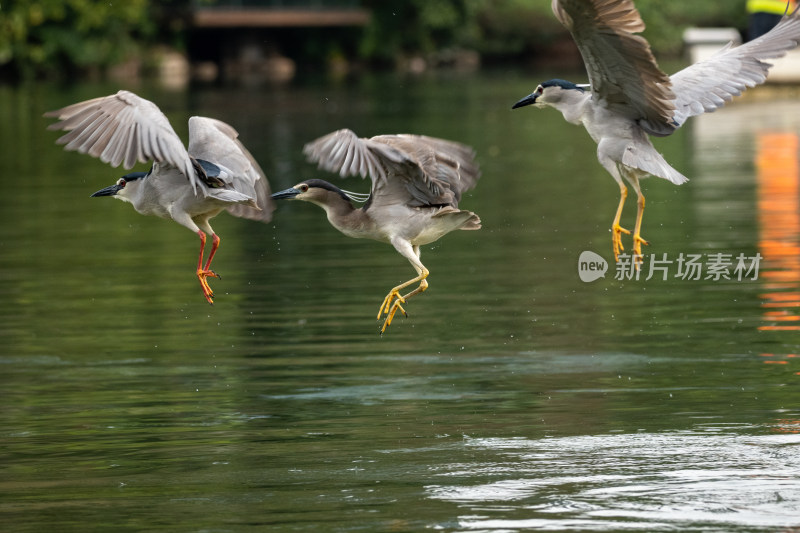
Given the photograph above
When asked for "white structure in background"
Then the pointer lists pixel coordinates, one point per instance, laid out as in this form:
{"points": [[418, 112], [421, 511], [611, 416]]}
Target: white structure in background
{"points": [[702, 43]]}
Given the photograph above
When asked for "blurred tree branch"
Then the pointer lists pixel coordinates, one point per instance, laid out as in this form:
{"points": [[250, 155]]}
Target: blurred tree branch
{"points": [[43, 36]]}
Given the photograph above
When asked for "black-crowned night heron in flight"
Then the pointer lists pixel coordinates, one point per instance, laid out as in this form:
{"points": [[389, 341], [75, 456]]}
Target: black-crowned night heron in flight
{"points": [[417, 183], [629, 97], [188, 186]]}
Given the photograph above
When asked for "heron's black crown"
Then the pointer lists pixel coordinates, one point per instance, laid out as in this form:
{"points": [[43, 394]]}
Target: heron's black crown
{"points": [[564, 84], [135, 176], [322, 184]]}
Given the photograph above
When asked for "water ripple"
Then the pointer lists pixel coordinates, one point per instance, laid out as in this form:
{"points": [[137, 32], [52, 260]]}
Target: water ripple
{"points": [[703, 480]]}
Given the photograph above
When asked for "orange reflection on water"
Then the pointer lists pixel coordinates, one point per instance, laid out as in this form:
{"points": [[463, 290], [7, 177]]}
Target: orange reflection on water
{"points": [[778, 171], [787, 426]]}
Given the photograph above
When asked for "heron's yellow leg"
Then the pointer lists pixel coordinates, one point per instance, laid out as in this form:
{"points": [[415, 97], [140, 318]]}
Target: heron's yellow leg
{"points": [[395, 306], [616, 229], [390, 298], [395, 293], [402, 299], [638, 241]]}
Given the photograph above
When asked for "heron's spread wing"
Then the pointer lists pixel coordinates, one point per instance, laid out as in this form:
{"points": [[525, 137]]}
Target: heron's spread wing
{"points": [[122, 128], [215, 141], [437, 171], [407, 169], [344, 152], [621, 68], [708, 85]]}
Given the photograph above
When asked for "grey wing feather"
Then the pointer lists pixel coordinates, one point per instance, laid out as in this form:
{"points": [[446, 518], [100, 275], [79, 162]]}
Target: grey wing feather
{"points": [[215, 141], [642, 155], [410, 169], [345, 153], [708, 85], [621, 67], [122, 128], [438, 171]]}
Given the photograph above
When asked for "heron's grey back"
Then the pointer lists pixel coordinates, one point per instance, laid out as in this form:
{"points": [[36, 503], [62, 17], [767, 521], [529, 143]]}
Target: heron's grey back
{"points": [[218, 142], [414, 170]]}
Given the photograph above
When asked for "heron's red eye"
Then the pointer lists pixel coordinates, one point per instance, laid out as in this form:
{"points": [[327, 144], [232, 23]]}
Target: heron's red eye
{"points": [[121, 182], [539, 89], [304, 188]]}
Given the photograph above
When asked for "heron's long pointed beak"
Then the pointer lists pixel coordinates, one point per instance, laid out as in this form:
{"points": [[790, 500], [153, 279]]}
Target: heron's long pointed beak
{"points": [[528, 100], [111, 190], [286, 193]]}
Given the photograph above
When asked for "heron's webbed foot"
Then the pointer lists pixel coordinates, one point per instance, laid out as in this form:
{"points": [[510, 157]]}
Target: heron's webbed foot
{"points": [[386, 306], [395, 306], [616, 239], [392, 302], [638, 241], [207, 292]]}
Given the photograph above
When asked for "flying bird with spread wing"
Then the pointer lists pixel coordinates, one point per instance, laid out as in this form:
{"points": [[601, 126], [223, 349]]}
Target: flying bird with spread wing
{"points": [[629, 97], [188, 185], [417, 183]]}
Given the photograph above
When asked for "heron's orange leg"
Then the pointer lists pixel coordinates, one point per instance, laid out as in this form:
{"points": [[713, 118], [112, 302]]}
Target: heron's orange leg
{"points": [[204, 272], [215, 240], [638, 241], [616, 229]]}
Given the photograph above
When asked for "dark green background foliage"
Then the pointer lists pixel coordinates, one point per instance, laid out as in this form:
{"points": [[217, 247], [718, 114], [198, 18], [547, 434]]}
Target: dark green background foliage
{"points": [[56, 37]]}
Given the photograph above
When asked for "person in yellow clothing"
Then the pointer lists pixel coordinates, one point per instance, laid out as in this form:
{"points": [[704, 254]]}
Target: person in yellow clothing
{"points": [[763, 15]]}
